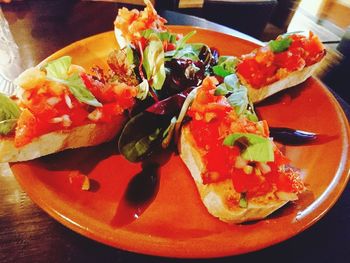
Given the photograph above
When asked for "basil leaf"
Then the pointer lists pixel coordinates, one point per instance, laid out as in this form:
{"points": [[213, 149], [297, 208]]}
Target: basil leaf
{"points": [[226, 66], [80, 92], [58, 69], [253, 147], [9, 113], [280, 45], [221, 90], [237, 96], [220, 71], [239, 100], [231, 83], [153, 62]]}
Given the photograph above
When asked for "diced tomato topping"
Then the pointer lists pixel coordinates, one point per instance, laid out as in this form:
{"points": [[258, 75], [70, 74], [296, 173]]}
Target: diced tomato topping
{"points": [[78, 115], [289, 60], [248, 183], [212, 120], [108, 93], [52, 107], [263, 67], [255, 73], [132, 22]]}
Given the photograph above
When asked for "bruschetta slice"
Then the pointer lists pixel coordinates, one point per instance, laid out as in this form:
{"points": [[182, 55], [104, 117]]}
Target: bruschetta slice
{"points": [[59, 106], [282, 63], [240, 173]]}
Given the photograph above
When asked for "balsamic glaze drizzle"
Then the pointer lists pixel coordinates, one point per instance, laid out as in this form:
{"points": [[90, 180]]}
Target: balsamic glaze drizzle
{"points": [[289, 136]]}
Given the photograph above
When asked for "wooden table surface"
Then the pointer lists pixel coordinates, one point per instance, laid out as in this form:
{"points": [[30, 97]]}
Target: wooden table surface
{"points": [[28, 234]]}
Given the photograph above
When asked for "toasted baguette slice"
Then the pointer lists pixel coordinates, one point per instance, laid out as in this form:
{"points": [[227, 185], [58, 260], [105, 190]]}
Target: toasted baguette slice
{"points": [[81, 136], [216, 196], [293, 79]]}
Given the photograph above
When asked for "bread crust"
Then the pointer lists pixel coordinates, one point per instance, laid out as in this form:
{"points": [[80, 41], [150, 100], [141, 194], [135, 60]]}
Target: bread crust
{"points": [[217, 196], [81, 136], [293, 79]]}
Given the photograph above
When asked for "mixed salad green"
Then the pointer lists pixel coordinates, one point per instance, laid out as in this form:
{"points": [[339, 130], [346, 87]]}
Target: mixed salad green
{"points": [[165, 79]]}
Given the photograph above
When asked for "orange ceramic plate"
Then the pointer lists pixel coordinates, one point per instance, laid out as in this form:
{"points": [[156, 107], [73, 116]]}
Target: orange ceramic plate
{"points": [[175, 223]]}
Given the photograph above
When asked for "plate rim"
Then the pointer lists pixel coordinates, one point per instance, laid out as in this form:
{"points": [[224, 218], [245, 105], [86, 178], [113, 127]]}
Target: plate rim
{"points": [[343, 177]]}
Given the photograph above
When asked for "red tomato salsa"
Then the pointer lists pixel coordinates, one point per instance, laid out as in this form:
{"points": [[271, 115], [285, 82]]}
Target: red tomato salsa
{"points": [[132, 22], [213, 119], [264, 66], [49, 106]]}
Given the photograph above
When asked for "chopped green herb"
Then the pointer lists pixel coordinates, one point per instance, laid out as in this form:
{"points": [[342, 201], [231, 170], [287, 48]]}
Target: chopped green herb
{"points": [[221, 90], [226, 66], [280, 45], [237, 96], [231, 84], [239, 100], [253, 147]]}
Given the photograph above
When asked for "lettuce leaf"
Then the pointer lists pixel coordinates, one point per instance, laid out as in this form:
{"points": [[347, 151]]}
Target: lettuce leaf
{"points": [[163, 36], [189, 51], [9, 114], [153, 62], [142, 135], [180, 44], [253, 147], [182, 47], [142, 90]]}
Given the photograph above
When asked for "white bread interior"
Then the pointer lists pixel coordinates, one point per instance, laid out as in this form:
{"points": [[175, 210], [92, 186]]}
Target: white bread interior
{"points": [[216, 196], [81, 136], [293, 79]]}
